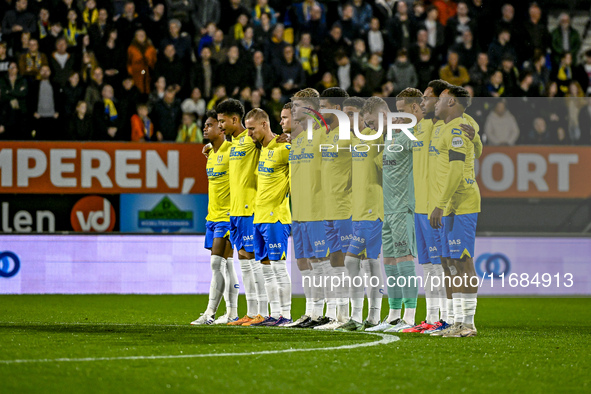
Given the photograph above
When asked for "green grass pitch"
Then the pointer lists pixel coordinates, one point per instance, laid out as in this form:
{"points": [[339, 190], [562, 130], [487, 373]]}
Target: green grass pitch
{"points": [[524, 344]]}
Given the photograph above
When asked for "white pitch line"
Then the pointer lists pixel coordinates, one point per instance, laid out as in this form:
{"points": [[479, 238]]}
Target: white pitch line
{"points": [[386, 339]]}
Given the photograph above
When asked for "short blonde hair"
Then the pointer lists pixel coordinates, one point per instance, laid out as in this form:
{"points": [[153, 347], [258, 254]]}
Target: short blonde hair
{"points": [[257, 114]]}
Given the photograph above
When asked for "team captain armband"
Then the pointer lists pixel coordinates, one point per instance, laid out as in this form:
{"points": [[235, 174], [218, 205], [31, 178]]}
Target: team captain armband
{"points": [[456, 156]]}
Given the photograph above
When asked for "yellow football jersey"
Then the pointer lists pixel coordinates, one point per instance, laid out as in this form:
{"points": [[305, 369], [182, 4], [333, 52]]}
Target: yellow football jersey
{"points": [[218, 168], [336, 176], [461, 197], [367, 196], [272, 197], [305, 159], [244, 157], [420, 164]]}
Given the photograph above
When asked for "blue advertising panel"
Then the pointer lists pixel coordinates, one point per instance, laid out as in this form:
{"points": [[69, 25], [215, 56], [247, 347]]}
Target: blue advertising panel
{"points": [[163, 213]]}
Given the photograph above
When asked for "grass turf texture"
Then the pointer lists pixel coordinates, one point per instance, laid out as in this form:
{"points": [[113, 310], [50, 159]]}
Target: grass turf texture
{"points": [[524, 344]]}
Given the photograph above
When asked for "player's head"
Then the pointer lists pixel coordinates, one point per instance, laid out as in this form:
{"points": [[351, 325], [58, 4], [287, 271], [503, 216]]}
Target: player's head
{"points": [[433, 91], [373, 109], [230, 113], [211, 128], [409, 101], [352, 106], [286, 118], [455, 99], [257, 123], [332, 98], [302, 101]]}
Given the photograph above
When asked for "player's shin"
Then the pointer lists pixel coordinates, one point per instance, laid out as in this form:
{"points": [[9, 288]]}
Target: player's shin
{"points": [[353, 265], [284, 287], [317, 290], [445, 264], [216, 287], [394, 292], [261, 294], [439, 286], [233, 289], [249, 288], [307, 285], [271, 287], [374, 295], [470, 291], [457, 289], [329, 292], [410, 290], [430, 295]]}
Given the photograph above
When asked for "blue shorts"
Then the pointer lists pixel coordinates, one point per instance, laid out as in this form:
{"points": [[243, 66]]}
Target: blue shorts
{"points": [[215, 230], [338, 234], [308, 240], [428, 247], [367, 239], [441, 239], [270, 241], [461, 235], [241, 232]]}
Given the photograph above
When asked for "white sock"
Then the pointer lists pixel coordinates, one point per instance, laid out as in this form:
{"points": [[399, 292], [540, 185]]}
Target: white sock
{"points": [[394, 314], [329, 296], [249, 288], [272, 290], [233, 288], [469, 302], [224, 270], [353, 266], [342, 295], [437, 271], [216, 286], [307, 285], [431, 297], [409, 315], [450, 311], [317, 290], [262, 299], [458, 311], [374, 296], [284, 285]]}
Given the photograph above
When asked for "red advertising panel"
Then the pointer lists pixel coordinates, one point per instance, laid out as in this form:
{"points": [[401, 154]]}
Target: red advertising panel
{"points": [[101, 168]]}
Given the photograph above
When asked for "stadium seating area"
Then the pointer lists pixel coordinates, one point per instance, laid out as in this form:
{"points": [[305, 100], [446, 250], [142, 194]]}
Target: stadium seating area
{"points": [[148, 70]]}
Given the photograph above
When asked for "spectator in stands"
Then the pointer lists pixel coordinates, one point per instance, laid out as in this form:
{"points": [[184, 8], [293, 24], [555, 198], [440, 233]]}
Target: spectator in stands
{"points": [[574, 102], [263, 32], [538, 37], [237, 30], [61, 63], [376, 40], [510, 76], [17, 21], [219, 95], [584, 73], [45, 104], [333, 44], [446, 8], [230, 13], [141, 59], [539, 134], [273, 49], [206, 12], [247, 44], [501, 48], [94, 90], [306, 54], [167, 116], [360, 54], [47, 44], [384, 10], [526, 87], [565, 39], [128, 97], [564, 73], [142, 128], [508, 22], [289, 74], [73, 93], [401, 29], [453, 72], [13, 95], [585, 123], [181, 42], [316, 26], [358, 87], [219, 47], [350, 29], [30, 63], [402, 73], [262, 7], [261, 74], [62, 10], [328, 80], [495, 86], [362, 15], [540, 73], [127, 24], [87, 66], [195, 105], [467, 50], [501, 127], [80, 126], [346, 70], [43, 23], [188, 131], [436, 32], [459, 24], [375, 75], [106, 117], [5, 60], [157, 93], [156, 25], [89, 13], [112, 57], [99, 29], [305, 9], [74, 29], [234, 72], [171, 68]]}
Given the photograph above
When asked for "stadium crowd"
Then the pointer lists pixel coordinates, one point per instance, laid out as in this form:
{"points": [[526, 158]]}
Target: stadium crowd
{"points": [[148, 70]]}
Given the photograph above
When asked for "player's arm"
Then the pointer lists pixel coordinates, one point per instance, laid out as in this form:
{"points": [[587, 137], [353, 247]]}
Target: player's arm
{"points": [[473, 135]]}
